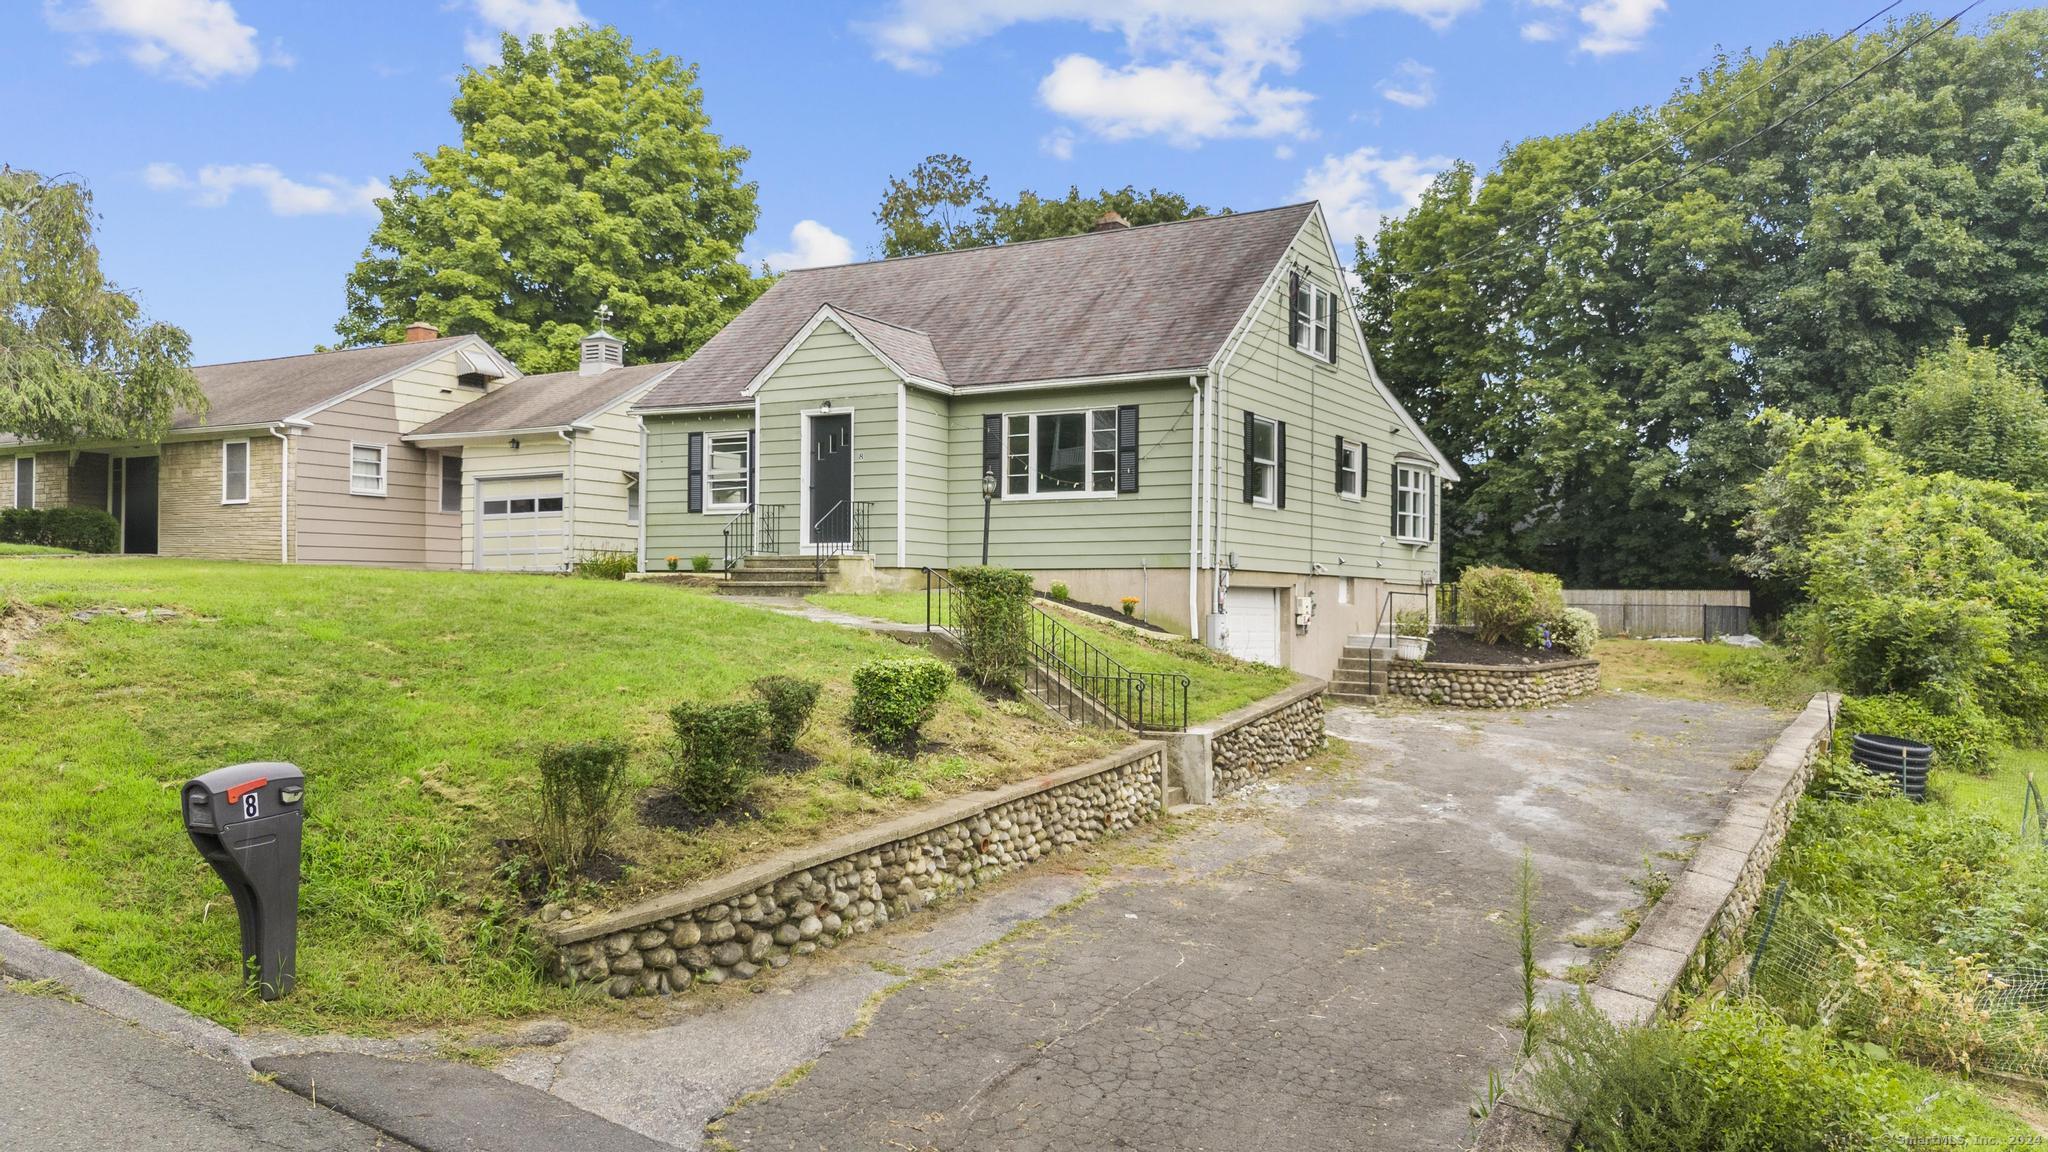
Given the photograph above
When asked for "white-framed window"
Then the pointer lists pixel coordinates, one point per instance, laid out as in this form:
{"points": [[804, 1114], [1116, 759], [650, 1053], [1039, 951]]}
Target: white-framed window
{"points": [[1413, 506], [1350, 470], [24, 481], [632, 498], [234, 472], [1264, 460], [1070, 453], [726, 469], [366, 469], [1315, 310], [451, 482]]}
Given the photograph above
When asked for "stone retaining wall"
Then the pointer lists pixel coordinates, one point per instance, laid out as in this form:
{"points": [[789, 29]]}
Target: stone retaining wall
{"points": [[1262, 746], [1698, 926], [1490, 686], [796, 903]]}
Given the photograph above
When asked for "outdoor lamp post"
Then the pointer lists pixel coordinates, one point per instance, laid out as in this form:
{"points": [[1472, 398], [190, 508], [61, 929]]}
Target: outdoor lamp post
{"points": [[988, 498]]}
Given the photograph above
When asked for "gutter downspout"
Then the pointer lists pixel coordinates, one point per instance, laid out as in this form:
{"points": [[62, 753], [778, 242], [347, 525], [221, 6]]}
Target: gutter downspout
{"points": [[284, 495], [640, 547], [569, 501], [1200, 403]]}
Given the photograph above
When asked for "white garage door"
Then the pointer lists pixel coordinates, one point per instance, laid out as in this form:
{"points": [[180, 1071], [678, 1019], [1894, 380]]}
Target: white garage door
{"points": [[1252, 617], [519, 525]]}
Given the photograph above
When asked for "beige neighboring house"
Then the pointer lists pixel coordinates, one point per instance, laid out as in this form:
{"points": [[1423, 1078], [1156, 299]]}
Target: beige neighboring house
{"points": [[299, 459], [546, 470]]}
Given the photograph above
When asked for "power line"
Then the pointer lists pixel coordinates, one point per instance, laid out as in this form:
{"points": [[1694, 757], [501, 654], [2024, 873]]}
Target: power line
{"points": [[1694, 169]]}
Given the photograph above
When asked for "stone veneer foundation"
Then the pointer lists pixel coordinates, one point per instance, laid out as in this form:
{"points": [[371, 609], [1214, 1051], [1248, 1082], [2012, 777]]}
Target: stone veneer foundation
{"points": [[1492, 686]]}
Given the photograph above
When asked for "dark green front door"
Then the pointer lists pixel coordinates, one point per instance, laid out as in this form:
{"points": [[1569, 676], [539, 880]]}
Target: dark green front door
{"points": [[831, 466]]}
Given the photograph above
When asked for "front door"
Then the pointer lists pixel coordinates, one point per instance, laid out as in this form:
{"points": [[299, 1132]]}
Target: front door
{"points": [[138, 505], [831, 464]]}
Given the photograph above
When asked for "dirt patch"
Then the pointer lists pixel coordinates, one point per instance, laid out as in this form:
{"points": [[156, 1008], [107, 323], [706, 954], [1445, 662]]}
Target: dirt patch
{"points": [[667, 810], [794, 762], [18, 622], [1448, 646]]}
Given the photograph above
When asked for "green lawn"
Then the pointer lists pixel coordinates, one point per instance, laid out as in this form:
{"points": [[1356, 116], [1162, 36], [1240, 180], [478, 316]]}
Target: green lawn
{"points": [[1719, 672], [1216, 683], [33, 550], [2000, 795], [416, 703]]}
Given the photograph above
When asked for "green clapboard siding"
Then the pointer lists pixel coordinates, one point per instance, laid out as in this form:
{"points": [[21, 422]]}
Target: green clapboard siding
{"points": [[832, 366], [1319, 402], [672, 529]]}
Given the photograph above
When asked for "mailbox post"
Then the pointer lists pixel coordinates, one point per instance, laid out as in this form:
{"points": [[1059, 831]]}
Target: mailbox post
{"points": [[246, 821]]}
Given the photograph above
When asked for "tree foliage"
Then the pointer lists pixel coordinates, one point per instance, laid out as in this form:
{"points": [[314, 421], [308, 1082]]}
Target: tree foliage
{"points": [[1598, 365], [587, 174], [1967, 411], [943, 205], [77, 359]]}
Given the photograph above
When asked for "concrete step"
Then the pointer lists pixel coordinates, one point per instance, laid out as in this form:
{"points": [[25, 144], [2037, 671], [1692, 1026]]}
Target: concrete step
{"points": [[802, 560], [797, 588], [1359, 680], [1336, 697], [804, 571]]}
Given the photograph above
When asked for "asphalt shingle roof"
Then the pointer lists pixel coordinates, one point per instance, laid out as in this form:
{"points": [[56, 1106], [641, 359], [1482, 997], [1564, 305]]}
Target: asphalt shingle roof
{"points": [[264, 391], [554, 400], [1161, 298]]}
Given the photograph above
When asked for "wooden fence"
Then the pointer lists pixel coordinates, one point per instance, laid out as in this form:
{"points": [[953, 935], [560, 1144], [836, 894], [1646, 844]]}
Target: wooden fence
{"points": [[1705, 614]]}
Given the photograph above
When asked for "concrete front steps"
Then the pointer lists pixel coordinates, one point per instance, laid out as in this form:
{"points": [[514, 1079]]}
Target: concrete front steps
{"points": [[1361, 676], [793, 576]]}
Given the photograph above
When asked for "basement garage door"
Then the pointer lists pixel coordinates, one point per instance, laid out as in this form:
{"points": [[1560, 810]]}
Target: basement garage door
{"points": [[519, 528], [1253, 621]]}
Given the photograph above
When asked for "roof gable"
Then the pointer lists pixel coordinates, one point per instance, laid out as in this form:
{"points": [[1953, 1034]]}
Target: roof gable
{"points": [[268, 391]]}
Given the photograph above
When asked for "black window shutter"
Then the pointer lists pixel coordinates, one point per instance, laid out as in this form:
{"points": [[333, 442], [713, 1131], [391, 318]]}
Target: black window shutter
{"points": [[1127, 448], [1394, 501], [752, 470], [1340, 466], [1294, 309], [696, 471], [1336, 300], [1280, 464], [1364, 477], [1432, 506], [1251, 486], [992, 448]]}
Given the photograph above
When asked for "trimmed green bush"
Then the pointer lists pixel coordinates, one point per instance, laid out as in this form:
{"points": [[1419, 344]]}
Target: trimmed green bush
{"points": [[700, 563], [892, 699], [79, 529], [1509, 603], [580, 789], [789, 700], [718, 750], [1058, 591], [994, 618], [1576, 631]]}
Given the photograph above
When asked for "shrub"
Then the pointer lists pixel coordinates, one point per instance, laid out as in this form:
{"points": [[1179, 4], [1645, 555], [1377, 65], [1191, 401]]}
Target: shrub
{"points": [[1963, 741], [1058, 591], [994, 617], [1411, 622], [1130, 605], [79, 529], [580, 788], [1508, 603], [892, 699], [700, 563], [606, 564], [718, 747], [1576, 631], [789, 700]]}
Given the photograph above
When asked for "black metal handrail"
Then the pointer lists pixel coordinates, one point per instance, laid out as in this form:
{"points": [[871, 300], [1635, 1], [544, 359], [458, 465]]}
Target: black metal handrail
{"points": [[739, 539], [1385, 625], [847, 522], [1071, 675]]}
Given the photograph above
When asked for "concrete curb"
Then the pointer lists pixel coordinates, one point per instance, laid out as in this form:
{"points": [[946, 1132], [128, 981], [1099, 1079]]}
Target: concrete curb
{"points": [[26, 958]]}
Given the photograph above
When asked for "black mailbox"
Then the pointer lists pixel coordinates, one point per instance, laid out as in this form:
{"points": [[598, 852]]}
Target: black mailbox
{"points": [[246, 820]]}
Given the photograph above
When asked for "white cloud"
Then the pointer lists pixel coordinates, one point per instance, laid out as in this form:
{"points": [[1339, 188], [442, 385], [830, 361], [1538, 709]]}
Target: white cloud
{"points": [[194, 41], [1361, 187], [215, 184], [1617, 25], [1196, 69], [811, 245], [1413, 85], [1283, 151], [1539, 31], [1058, 144], [522, 18]]}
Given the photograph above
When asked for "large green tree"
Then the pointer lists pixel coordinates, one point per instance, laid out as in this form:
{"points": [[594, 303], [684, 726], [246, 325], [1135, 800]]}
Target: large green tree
{"points": [[943, 205], [587, 174], [78, 361], [1966, 410], [1594, 326]]}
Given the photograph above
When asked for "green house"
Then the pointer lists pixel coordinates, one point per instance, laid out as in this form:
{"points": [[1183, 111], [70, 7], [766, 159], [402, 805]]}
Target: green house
{"points": [[1182, 413]]}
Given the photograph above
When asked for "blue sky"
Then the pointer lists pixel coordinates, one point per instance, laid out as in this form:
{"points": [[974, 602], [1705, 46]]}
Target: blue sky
{"points": [[233, 145]]}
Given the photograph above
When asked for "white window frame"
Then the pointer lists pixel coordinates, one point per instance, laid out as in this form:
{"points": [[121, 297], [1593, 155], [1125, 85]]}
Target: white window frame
{"points": [[383, 487], [1099, 484], [746, 473], [25, 494], [634, 495], [1356, 490], [244, 497], [461, 480], [1412, 503], [1315, 313], [1265, 494]]}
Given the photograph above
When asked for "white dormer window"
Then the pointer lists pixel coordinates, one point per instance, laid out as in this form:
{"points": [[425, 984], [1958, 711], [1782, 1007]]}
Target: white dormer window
{"points": [[1315, 310]]}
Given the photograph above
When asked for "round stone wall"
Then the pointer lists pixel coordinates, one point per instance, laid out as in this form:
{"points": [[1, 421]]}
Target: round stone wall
{"points": [[1487, 686]]}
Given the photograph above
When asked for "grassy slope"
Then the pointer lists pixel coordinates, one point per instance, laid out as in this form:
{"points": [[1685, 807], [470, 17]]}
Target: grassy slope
{"points": [[416, 703], [1706, 672], [1217, 683]]}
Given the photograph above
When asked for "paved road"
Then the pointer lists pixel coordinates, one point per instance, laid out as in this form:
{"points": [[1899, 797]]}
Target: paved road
{"points": [[1324, 963], [73, 1079]]}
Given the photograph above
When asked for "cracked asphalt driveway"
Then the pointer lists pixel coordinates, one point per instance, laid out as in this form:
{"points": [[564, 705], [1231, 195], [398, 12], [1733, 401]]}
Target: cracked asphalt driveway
{"points": [[1323, 962]]}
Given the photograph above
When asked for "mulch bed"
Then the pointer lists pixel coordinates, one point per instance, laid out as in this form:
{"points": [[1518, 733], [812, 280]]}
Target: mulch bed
{"points": [[662, 809], [1115, 614], [1449, 646]]}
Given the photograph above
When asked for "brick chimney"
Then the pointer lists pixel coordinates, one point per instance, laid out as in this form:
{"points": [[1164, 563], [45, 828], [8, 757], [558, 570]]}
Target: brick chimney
{"points": [[420, 330], [1110, 221]]}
